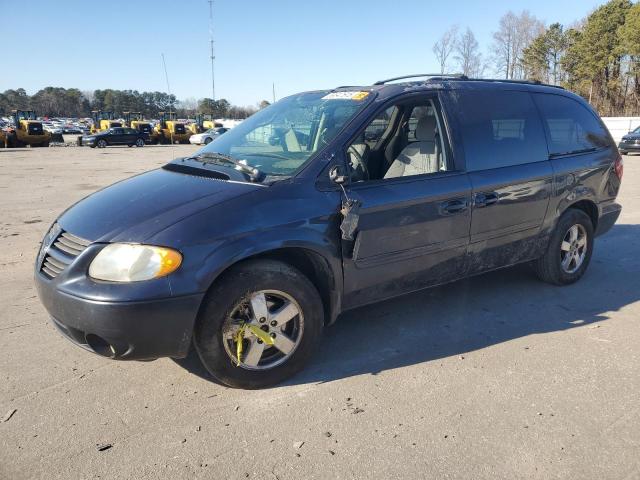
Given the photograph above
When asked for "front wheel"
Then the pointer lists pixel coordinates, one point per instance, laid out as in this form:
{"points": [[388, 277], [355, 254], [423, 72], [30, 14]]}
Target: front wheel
{"points": [[101, 143], [207, 140], [569, 250], [259, 324]]}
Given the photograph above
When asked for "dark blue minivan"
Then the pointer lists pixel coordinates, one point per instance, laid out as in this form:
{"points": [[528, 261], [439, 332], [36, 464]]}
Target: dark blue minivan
{"points": [[323, 202]]}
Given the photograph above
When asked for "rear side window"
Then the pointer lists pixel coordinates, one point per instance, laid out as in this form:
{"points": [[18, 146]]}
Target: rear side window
{"points": [[571, 127], [500, 129]]}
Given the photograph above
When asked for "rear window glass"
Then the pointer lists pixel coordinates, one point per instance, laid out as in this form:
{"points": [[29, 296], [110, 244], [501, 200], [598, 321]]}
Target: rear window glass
{"points": [[571, 127], [500, 129]]}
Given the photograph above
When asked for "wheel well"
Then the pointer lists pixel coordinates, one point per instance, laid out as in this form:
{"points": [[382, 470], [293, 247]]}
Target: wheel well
{"points": [[311, 264], [589, 208]]}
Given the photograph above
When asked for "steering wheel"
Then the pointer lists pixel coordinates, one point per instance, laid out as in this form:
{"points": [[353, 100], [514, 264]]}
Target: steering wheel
{"points": [[357, 163]]}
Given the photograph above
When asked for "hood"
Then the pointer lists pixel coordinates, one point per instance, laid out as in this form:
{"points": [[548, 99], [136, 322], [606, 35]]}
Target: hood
{"points": [[631, 136], [139, 207]]}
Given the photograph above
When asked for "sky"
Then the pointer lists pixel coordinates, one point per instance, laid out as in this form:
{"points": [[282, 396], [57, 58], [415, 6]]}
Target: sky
{"points": [[296, 45]]}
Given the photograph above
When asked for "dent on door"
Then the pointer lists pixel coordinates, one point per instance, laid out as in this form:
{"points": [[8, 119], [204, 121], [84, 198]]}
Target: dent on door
{"points": [[410, 235]]}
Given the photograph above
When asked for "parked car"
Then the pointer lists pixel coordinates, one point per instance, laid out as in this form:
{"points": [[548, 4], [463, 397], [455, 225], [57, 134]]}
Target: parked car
{"points": [[630, 142], [71, 129], [207, 137], [249, 249], [115, 136], [49, 127]]}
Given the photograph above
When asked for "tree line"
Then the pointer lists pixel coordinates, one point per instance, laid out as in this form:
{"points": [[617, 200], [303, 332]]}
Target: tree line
{"points": [[598, 57], [71, 102]]}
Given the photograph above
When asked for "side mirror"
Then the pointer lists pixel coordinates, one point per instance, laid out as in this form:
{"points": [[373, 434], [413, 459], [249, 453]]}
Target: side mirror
{"points": [[336, 175]]}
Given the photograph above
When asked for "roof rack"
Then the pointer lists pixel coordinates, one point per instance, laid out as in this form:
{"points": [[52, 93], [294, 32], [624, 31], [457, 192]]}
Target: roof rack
{"points": [[461, 77], [430, 75], [522, 82]]}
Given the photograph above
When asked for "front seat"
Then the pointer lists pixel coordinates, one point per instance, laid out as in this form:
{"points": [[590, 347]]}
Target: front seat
{"points": [[359, 160], [418, 157]]}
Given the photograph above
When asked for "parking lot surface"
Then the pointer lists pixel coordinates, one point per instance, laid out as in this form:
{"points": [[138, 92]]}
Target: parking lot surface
{"points": [[498, 376]]}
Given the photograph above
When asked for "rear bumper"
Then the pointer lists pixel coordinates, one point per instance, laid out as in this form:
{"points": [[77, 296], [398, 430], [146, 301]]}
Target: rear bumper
{"points": [[608, 218], [140, 330]]}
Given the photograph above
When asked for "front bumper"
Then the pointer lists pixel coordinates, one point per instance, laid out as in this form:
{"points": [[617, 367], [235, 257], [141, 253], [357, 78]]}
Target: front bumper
{"points": [[130, 330], [628, 147]]}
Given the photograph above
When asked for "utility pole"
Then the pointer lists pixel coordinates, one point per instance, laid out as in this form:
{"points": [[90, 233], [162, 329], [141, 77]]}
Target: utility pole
{"points": [[274, 92], [213, 81]]}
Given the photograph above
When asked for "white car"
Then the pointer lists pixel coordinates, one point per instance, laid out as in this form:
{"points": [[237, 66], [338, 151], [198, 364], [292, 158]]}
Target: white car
{"points": [[206, 137], [49, 127]]}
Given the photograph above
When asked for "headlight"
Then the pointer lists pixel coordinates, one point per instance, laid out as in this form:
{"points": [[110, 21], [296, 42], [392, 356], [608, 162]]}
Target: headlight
{"points": [[124, 262]]}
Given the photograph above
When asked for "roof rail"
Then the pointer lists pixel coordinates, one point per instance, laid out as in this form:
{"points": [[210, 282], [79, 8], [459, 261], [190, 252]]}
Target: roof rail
{"points": [[522, 82], [430, 75], [461, 77]]}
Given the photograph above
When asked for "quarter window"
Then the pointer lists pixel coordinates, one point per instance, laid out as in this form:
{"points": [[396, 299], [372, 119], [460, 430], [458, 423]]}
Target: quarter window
{"points": [[500, 129], [571, 127]]}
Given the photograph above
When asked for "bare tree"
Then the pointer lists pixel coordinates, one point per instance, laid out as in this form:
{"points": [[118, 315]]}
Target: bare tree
{"points": [[444, 47], [515, 33], [468, 56]]}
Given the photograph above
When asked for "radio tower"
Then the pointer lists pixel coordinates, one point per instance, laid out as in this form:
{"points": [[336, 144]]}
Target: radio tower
{"points": [[213, 81]]}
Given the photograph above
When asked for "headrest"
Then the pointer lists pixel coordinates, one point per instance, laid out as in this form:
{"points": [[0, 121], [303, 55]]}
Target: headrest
{"points": [[426, 129]]}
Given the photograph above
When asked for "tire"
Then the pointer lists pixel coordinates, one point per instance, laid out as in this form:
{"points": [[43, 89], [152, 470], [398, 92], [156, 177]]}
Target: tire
{"points": [[102, 143], [139, 142], [623, 152], [241, 283], [129, 145], [207, 140], [550, 267]]}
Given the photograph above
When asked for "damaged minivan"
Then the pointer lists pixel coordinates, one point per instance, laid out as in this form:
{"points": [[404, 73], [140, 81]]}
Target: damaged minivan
{"points": [[323, 202]]}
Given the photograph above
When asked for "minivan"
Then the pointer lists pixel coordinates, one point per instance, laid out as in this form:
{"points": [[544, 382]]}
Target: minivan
{"points": [[323, 202]]}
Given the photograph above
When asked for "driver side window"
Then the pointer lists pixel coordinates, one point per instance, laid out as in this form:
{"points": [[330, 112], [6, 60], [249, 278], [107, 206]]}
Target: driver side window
{"points": [[402, 141]]}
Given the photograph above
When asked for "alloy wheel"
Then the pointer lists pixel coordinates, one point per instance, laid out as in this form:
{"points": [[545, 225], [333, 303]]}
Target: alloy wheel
{"points": [[269, 324], [573, 249]]}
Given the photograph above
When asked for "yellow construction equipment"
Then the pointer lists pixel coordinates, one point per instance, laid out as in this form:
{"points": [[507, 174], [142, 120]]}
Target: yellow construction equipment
{"points": [[136, 121], [103, 121], [170, 130], [28, 131], [3, 139], [204, 122]]}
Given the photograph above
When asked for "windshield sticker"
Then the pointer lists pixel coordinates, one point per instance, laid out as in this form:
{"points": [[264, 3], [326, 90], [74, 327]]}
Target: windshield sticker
{"points": [[346, 96]]}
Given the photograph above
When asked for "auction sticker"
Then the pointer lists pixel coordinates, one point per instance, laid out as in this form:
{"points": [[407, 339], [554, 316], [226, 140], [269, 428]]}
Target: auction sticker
{"points": [[346, 96]]}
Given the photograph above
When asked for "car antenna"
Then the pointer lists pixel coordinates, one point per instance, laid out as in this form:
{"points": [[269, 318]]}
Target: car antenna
{"points": [[166, 76]]}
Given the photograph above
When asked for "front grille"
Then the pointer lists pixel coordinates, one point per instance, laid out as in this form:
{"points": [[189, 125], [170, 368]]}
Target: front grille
{"points": [[65, 248]]}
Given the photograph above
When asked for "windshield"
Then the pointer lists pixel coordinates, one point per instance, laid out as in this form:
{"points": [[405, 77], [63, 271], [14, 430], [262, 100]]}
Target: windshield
{"points": [[637, 130], [279, 139]]}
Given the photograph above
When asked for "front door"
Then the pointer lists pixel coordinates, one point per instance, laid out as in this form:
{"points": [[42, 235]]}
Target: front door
{"points": [[415, 214]]}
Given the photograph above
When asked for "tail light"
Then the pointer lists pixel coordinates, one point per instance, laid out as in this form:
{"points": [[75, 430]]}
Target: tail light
{"points": [[618, 167]]}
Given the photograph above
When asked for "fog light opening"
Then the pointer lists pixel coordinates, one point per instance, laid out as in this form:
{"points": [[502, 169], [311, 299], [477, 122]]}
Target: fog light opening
{"points": [[100, 345]]}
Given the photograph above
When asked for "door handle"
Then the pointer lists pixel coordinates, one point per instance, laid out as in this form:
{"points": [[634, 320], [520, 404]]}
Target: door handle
{"points": [[481, 200], [453, 206]]}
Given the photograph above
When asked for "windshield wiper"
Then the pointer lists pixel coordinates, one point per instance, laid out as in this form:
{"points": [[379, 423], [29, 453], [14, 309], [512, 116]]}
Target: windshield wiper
{"points": [[255, 174]]}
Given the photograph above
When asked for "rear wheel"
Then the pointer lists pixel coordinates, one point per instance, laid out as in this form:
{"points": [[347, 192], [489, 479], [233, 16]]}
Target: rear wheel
{"points": [[139, 142], [101, 143], [207, 140], [259, 325], [569, 251]]}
